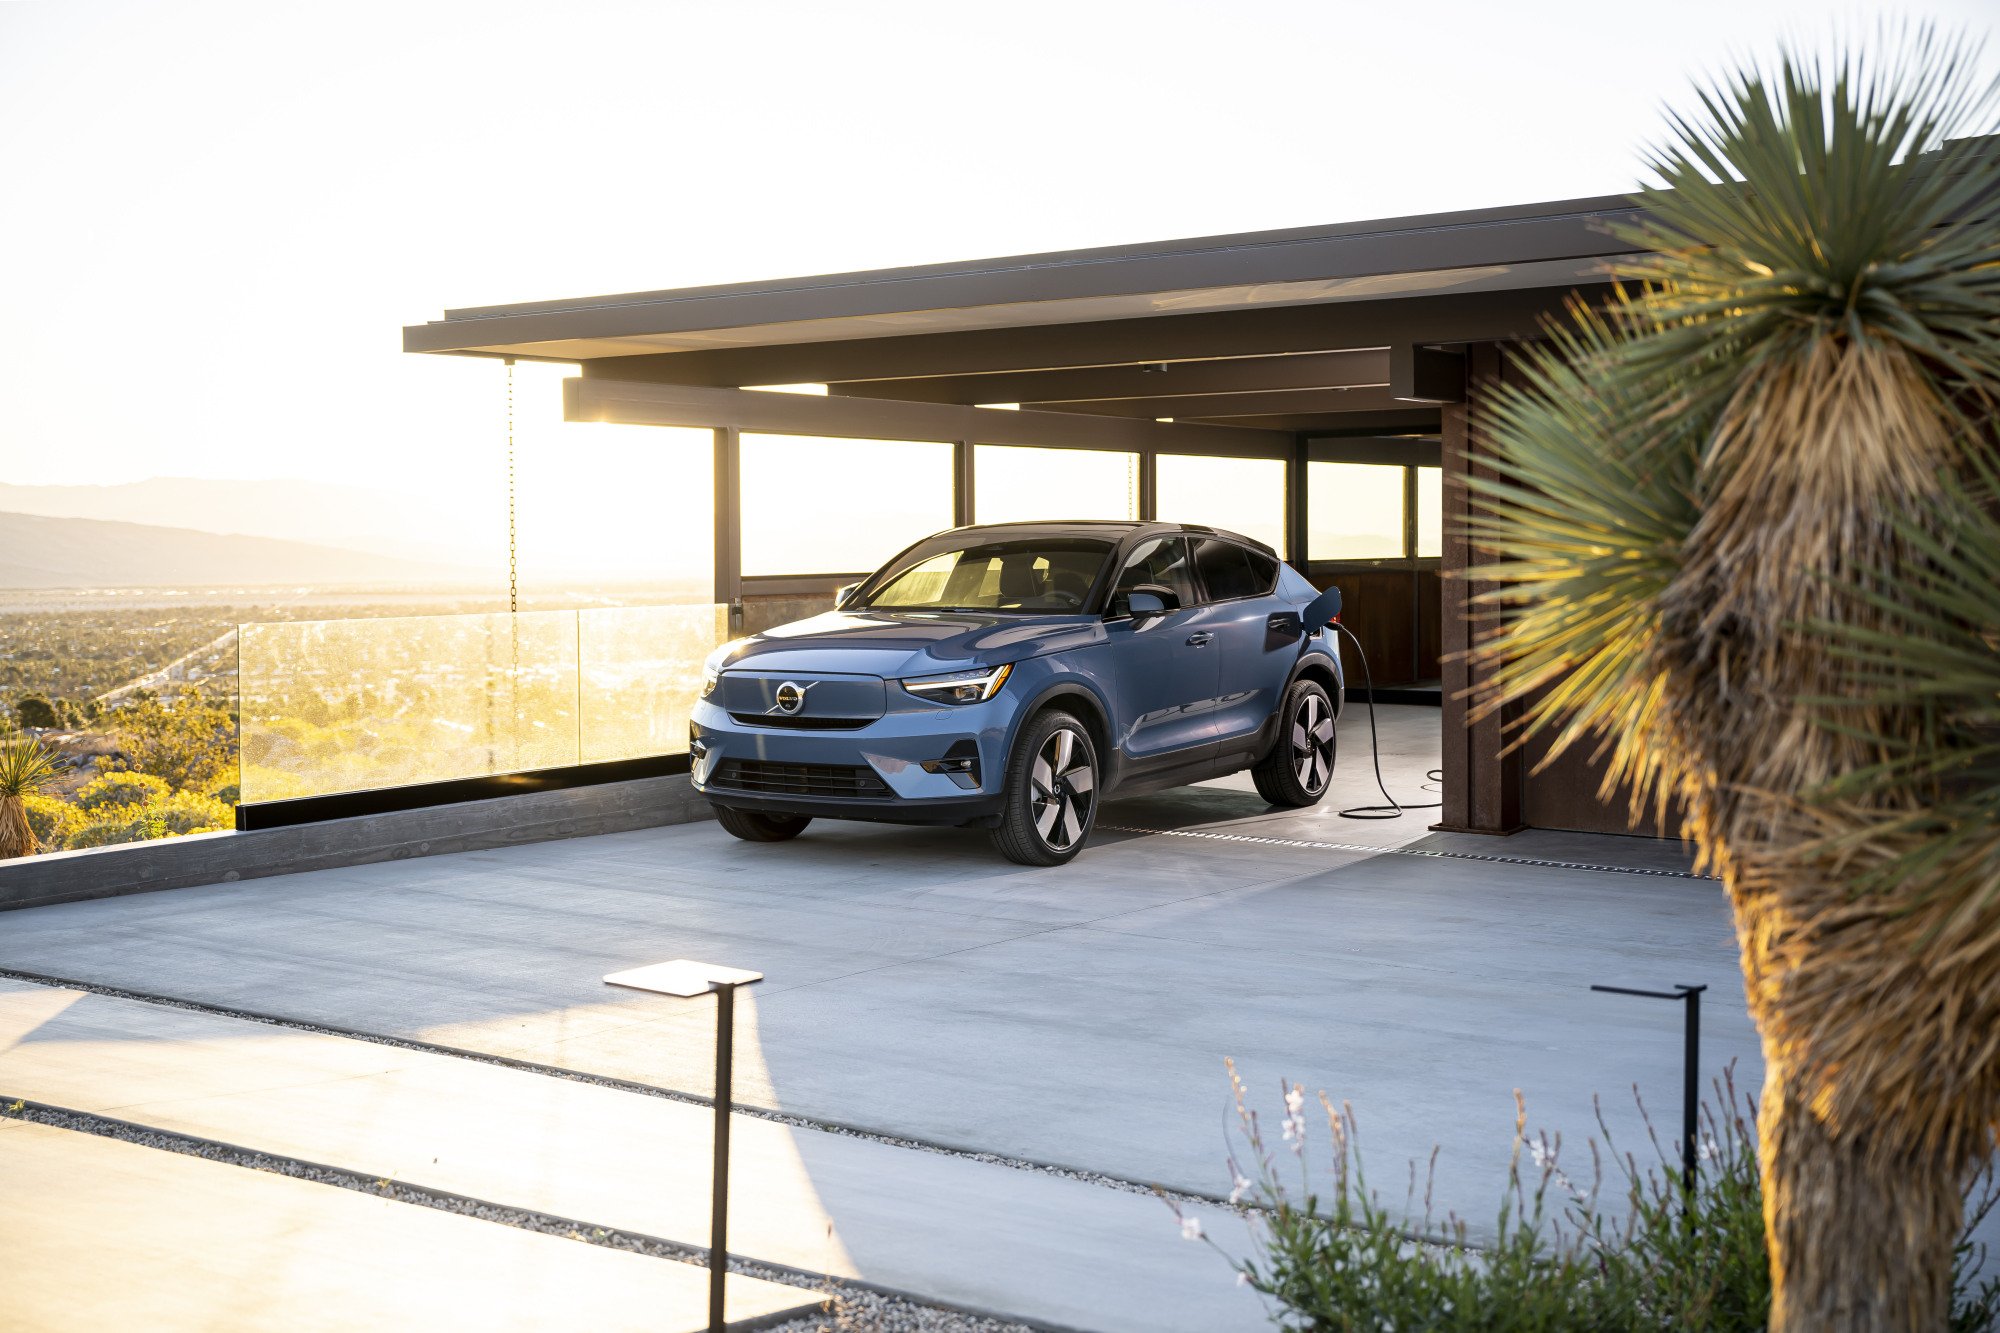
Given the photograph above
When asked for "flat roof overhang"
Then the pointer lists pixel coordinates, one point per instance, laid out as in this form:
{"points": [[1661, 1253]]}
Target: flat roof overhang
{"points": [[1317, 329], [1508, 249]]}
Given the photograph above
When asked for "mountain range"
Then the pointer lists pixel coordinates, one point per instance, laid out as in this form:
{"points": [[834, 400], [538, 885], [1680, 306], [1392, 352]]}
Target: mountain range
{"points": [[37, 551]]}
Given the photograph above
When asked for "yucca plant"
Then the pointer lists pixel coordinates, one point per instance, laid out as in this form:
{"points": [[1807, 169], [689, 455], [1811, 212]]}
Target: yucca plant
{"points": [[1737, 518], [26, 765]]}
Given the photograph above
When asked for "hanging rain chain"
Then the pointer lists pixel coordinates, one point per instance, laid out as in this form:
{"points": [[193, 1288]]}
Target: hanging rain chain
{"points": [[513, 570]]}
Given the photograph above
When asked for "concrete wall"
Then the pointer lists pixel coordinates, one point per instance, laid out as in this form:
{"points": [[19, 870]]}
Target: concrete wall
{"points": [[213, 858]]}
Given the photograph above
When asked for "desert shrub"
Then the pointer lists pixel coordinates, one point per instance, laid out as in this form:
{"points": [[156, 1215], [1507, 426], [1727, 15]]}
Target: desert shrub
{"points": [[53, 819], [131, 824], [190, 812], [39, 711], [229, 793], [112, 792], [187, 743], [1333, 1257]]}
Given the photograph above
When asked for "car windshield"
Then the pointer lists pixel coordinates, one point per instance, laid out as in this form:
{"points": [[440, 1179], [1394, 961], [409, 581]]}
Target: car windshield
{"points": [[1027, 574]]}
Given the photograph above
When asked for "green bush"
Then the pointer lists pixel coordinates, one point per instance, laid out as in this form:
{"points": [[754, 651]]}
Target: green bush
{"points": [[190, 812], [53, 819], [113, 792], [129, 825], [1337, 1259]]}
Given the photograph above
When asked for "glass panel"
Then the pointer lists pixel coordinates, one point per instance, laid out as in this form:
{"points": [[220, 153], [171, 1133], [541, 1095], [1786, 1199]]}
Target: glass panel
{"points": [[641, 674], [1245, 495], [1019, 484], [356, 705], [1430, 511], [832, 506], [1355, 511], [352, 705]]}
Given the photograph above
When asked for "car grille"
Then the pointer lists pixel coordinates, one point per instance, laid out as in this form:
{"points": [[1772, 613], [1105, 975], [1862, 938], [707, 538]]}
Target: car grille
{"points": [[801, 723], [766, 778]]}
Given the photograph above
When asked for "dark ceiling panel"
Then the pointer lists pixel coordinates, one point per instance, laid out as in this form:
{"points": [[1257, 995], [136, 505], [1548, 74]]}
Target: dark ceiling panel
{"points": [[1325, 370], [1289, 402]]}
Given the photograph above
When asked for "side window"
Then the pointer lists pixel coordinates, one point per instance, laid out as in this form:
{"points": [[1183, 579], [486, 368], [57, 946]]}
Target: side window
{"points": [[1163, 561], [1226, 571], [1263, 572]]}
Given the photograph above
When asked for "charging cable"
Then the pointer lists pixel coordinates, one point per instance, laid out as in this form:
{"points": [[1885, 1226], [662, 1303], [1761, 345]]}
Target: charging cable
{"points": [[1394, 809]]}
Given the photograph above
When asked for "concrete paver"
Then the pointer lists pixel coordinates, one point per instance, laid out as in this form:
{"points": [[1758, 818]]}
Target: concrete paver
{"points": [[971, 1233], [102, 1234]]}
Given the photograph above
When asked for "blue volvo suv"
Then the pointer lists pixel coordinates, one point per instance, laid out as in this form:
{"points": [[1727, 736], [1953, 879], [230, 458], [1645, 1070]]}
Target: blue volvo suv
{"points": [[1010, 677]]}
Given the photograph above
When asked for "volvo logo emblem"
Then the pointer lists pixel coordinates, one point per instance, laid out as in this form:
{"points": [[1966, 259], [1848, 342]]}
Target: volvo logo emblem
{"points": [[791, 697]]}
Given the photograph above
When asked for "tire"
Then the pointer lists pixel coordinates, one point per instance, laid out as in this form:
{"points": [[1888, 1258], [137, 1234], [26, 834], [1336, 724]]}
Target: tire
{"points": [[1051, 792], [756, 826], [1299, 767]]}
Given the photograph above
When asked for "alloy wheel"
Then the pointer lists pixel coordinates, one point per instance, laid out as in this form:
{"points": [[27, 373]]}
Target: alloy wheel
{"points": [[1312, 743], [1064, 788]]}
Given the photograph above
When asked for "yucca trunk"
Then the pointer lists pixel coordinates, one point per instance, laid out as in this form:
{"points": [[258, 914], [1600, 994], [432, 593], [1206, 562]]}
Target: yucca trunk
{"points": [[1866, 1143], [17, 836]]}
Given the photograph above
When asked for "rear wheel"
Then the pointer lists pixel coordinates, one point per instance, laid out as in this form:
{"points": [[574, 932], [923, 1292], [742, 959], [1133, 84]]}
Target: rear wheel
{"points": [[756, 826], [1051, 792], [1300, 765]]}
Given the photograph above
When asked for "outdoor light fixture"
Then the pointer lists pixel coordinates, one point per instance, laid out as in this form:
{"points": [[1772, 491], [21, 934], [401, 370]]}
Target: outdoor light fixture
{"points": [[686, 978], [1690, 1075]]}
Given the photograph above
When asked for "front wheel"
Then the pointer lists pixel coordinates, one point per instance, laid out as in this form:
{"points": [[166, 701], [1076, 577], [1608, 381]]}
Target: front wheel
{"points": [[756, 826], [1296, 771], [1051, 793]]}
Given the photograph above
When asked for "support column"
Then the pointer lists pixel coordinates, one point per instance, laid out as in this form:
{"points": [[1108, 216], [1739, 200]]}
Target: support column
{"points": [[1482, 787], [1297, 502], [729, 523], [964, 500]]}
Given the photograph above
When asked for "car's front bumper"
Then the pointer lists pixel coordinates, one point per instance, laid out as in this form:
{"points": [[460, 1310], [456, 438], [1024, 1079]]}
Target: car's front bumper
{"points": [[938, 765]]}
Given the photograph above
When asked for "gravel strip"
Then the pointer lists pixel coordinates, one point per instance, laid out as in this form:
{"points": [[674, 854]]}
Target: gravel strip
{"points": [[623, 1085], [850, 1308]]}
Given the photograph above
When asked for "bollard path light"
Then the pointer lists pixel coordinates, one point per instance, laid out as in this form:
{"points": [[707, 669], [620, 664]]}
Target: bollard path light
{"points": [[1690, 996], [686, 978]]}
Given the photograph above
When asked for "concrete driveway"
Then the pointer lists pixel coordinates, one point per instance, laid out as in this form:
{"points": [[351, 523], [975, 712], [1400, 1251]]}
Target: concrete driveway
{"points": [[920, 987]]}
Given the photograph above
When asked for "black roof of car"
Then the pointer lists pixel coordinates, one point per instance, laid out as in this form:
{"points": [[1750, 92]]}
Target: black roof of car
{"points": [[1098, 527]]}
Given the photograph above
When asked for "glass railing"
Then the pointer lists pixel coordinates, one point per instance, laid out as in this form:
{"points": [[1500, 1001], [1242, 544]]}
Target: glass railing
{"points": [[358, 705]]}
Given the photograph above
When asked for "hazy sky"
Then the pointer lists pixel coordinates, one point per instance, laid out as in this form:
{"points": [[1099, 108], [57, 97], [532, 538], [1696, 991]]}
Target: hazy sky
{"points": [[217, 217]]}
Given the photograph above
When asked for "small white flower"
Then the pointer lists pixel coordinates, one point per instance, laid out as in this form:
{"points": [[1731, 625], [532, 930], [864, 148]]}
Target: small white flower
{"points": [[1242, 1278], [1708, 1150], [1190, 1227], [1540, 1152], [1242, 1187], [1295, 1099]]}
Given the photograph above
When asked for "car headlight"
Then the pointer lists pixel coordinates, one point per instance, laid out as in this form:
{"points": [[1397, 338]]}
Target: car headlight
{"points": [[960, 687], [711, 667]]}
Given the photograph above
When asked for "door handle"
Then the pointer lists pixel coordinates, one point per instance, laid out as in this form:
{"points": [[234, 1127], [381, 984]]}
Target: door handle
{"points": [[1199, 638]]}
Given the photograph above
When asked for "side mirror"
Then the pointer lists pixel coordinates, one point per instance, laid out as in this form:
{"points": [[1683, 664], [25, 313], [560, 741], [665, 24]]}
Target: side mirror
{"points": [[1139, 604], [844, 592], [1321, 611]]}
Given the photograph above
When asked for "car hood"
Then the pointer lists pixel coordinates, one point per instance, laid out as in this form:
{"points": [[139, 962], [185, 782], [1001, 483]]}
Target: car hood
{"points": [[908, 643]]}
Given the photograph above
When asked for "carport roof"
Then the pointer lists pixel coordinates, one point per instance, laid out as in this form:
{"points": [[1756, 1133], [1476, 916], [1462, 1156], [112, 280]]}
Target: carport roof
{"points": [[1545, 246]]}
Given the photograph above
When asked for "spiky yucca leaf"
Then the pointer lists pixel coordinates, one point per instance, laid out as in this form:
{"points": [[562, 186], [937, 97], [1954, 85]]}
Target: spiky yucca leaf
{"points": [[1936, 653], [1583, 522]]}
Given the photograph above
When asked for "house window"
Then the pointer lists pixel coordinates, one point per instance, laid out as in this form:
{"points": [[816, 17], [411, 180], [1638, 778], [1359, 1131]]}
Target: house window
{"points": [[838, 506], [1430, 511], [1356, 511], [1016, 484], [1245, 495]]}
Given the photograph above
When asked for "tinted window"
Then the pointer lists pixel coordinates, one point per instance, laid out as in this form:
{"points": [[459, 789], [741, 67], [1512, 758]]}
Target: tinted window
{"points": [[1161, 561], [1226, 569], [1051, 575]]}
